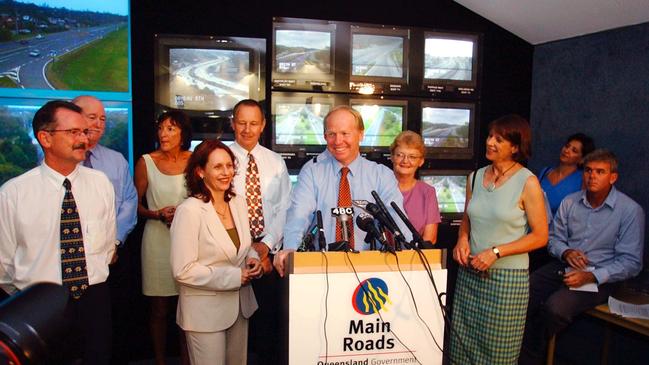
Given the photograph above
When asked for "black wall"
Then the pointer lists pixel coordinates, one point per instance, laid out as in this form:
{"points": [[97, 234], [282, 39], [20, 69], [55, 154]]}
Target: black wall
{"points": [[507, 60]]}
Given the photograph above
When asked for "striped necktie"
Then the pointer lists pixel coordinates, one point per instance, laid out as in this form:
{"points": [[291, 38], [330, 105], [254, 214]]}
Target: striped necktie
{"points": [[73, 257], [345, 200]]}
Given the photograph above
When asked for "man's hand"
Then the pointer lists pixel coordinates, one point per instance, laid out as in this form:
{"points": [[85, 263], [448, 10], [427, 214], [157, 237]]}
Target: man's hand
{"points": [[576, 259], [263, 251], [576, 279], [280, 261]]}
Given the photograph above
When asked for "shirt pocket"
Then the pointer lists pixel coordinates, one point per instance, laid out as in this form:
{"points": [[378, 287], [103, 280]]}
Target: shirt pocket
{"points": [[94, 237]]}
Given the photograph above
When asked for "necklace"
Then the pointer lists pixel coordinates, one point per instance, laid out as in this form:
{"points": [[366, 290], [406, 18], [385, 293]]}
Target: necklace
{"points": [[225, 210], [492, 186]]}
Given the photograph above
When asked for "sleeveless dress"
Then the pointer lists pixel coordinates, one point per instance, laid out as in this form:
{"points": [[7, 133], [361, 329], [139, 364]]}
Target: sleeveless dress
{"points": [[163, 191], [489, 311]]}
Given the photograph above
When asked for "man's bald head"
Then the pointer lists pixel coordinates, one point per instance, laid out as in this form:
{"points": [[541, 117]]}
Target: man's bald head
{"points": [[95, 114]]}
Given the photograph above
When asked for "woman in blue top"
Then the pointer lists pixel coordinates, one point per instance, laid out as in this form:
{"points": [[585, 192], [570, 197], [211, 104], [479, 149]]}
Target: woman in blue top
{"points": [[564, 179]]}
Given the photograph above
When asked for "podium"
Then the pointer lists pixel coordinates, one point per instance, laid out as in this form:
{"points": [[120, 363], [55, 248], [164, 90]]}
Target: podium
{"points": [[364, 308]]}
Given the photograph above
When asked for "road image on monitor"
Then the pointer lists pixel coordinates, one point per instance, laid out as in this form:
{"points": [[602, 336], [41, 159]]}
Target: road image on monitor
{"points": [[448, 59], [451, 192], [208, 79], [300, 124], [445, 127], [382, 123], [377, 55], [302, 51]]}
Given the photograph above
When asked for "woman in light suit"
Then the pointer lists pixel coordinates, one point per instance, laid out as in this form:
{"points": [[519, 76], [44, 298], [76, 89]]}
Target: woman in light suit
{"points": [[212, 261]]}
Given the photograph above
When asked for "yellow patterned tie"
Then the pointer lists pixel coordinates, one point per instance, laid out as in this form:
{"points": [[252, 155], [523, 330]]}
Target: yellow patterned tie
{"points": [[253, 198], [73, 257]]}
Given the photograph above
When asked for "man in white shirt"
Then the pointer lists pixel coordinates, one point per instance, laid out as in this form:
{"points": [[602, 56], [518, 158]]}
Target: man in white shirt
{"points": [[267, 205], [33, 238]]}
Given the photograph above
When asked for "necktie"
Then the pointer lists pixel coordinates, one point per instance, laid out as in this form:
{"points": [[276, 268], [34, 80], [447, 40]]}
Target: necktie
{"points": [[253, 198], [345, 200], [87, 162], [73, 257]]}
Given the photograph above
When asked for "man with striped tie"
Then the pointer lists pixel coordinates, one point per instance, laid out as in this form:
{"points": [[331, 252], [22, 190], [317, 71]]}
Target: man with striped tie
{"points": [[57, 224]]}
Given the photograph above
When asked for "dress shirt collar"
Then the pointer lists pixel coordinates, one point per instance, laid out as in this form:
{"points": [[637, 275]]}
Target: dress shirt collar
{"points": [[354, 167], [55, 178], [610, 200], [243, 151]]}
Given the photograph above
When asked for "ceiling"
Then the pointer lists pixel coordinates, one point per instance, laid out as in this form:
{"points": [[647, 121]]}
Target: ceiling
{"points": [[541, 21]]}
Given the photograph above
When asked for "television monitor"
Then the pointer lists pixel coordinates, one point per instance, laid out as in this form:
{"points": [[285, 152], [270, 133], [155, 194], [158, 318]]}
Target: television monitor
{"points": [[298, 121], [451, 61], [206, 76], [195, 142], [448, 129], [383, 121], [61, 49], [450, 187], [379, 54], [303, 54]]}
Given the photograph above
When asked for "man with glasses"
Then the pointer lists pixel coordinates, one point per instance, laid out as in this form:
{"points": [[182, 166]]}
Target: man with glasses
{"points": [[336, 178], [114, 165], [57, 225]]}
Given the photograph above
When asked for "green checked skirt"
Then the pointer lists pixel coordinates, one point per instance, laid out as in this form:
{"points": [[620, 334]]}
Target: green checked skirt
{"points": [[489, 316]]}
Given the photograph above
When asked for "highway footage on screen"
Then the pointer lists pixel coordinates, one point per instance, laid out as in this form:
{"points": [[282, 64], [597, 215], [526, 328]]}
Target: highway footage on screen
{"points": [[445, 127], [382, 124], [208, 79], [64, 46], [377, 55], [300, 124], [451, 192], [21, 151], [302, 51], [448, 59]]}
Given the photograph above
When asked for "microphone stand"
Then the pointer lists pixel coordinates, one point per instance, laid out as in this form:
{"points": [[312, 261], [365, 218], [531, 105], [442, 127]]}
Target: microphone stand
{"points": [[417, 240]]}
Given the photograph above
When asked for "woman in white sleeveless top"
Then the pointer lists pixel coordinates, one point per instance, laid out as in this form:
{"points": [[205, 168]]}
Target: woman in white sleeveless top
{"points": [[159, 177]]}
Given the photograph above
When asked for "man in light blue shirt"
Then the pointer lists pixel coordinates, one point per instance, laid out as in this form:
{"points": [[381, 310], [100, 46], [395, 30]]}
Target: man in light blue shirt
{"points": [[111, 163], [318, 184], [597, 237]]}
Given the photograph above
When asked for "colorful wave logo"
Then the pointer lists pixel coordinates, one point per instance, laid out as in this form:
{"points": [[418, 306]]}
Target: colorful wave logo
{"points": [[371, 296]]}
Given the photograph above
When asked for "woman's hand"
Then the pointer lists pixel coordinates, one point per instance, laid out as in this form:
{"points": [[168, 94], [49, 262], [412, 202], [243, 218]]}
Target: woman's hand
{"points": [[461, 252], [253, 268], [167, 214], [483, 260]]}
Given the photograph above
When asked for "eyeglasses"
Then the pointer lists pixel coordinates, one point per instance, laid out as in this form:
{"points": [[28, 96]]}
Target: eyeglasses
{"points": [[74, 132], [403, 156]]}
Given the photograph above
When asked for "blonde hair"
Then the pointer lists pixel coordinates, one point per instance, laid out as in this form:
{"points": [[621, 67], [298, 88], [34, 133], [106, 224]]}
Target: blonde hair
{"points": [[357, 116], [408, 139]]}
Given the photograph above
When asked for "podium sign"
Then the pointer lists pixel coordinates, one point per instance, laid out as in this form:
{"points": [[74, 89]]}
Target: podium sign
{"points": [[369, 317]]}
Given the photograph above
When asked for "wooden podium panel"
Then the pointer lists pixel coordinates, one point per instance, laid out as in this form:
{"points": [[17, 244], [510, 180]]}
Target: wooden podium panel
{"points": [[364, 308], [366, 261]]}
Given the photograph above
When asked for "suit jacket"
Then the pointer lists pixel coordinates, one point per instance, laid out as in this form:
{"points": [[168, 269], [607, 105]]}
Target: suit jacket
{"points": [[207, 266]]}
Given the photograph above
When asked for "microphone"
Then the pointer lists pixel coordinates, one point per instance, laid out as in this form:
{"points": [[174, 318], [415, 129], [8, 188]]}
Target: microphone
{"points": [[416, 237], [322, 242], [365, 222], [342, 215], [398, 235], [307, 240]]}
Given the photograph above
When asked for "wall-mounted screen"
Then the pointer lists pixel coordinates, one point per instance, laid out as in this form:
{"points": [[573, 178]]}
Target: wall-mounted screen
{"points": [[19, 149], [298, 121], [450, 186], [379, 54], [383, 121], [208, 79], [303, 54], [451, 60], [206, 76], [448, 129], [58, 49]]}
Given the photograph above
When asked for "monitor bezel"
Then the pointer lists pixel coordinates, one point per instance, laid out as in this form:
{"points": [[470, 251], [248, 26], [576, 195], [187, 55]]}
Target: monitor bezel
{"points": [[448, 216], [461, 153], [379, 30], [472, 37]]}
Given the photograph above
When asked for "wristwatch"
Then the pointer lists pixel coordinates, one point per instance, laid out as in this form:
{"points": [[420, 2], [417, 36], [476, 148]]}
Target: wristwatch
{"points": [[495, 250]]}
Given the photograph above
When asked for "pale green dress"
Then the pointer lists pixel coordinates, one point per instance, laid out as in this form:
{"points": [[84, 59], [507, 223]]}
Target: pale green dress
{"points": [[162, 191]]}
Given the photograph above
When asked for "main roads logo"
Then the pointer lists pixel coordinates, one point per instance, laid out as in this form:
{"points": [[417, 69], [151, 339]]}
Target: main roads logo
{"points": [[371, 296]]}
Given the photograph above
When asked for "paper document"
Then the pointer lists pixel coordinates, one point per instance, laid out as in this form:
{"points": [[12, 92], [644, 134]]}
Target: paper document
{"points": [[625, 309], [590, 287]]}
